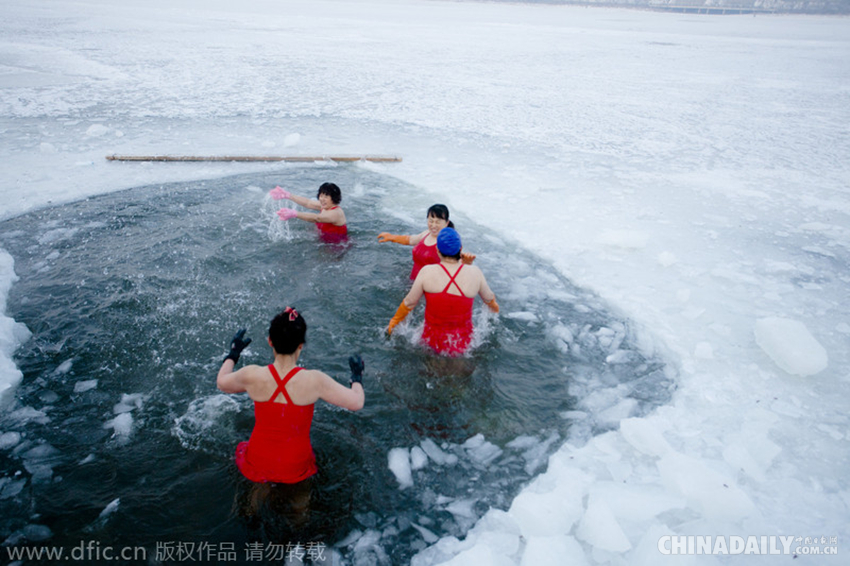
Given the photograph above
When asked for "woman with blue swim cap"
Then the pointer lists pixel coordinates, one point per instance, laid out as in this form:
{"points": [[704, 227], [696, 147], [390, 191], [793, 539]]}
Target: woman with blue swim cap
{"points": [[449, 288]]}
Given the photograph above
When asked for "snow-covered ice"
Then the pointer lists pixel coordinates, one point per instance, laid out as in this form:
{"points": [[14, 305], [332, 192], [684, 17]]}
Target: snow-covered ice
{"points": [[691, 171]]}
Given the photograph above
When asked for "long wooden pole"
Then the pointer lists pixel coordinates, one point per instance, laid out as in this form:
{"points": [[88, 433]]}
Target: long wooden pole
{"points": [[294, 158]]}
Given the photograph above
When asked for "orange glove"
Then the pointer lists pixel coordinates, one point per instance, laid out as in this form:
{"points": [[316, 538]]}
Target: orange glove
{"points": [[400, 315], [467, 258], [387, 237], [492, 305]]}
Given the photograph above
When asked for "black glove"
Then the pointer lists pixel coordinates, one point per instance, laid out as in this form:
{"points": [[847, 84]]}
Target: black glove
{"points": [[237, 345], [357, 366]]}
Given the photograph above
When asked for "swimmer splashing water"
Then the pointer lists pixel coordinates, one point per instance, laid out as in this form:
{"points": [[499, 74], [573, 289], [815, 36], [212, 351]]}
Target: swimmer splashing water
{"points": [[449, 288], [330, 220]]}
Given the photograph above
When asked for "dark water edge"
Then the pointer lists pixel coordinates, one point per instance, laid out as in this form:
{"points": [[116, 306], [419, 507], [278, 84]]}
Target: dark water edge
{"points": [[141, 291]]}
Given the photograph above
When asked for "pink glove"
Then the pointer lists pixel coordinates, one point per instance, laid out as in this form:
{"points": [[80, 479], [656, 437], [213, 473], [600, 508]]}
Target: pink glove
{"points": [[286, 213], [277, 193]]}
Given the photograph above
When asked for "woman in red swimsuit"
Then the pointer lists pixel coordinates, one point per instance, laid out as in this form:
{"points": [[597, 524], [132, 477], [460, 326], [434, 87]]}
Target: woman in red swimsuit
{"points": [[449, 288], [425, 243], [279, 449], [330, 220]]}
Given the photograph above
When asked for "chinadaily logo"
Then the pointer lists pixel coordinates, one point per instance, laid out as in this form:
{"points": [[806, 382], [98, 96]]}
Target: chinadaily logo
{"points": [[773, 544]]}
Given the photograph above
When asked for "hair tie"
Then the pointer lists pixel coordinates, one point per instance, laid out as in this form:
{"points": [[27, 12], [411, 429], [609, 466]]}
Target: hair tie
{"points": [[293, 314]]}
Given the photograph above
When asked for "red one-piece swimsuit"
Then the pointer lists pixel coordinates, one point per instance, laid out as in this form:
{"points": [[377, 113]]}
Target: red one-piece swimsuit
{"points": [[423, 255], [331, 232], [448, 319], [279, 449]]}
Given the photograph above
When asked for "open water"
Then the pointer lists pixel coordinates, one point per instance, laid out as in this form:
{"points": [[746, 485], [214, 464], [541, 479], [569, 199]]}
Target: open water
{"points": [[119, 435]]}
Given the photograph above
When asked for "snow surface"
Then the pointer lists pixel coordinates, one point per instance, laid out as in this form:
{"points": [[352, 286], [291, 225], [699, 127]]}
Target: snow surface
{"points": [[691, 170]]}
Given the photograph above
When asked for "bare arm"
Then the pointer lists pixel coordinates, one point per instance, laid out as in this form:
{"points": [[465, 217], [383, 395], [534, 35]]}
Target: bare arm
{"points": [[230, 381], [418, 289], [334, 216], [487, 295], [312, 204], [335, 393], [415, 239]]}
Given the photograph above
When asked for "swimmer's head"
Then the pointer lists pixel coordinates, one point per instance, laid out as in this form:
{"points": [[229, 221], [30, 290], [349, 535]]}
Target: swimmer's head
{"points": [[448, 243], [332, 191], [287, 331], [440, 211]]}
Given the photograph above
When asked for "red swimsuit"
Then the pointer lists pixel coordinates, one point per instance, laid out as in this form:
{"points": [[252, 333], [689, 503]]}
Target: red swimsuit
{"points": [[331, 232], [448, 319], [279, 449], [423, 255]]}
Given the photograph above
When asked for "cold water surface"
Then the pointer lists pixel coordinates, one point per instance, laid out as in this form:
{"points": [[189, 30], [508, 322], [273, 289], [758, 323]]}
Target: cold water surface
{"points": [[118, 433]]}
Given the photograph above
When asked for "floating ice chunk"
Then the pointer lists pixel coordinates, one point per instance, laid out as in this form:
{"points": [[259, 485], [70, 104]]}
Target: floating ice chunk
{"points": [[791, 346], [128, 403], [481, 450], [706, 489], [621, 357], [427, 536], [28, 414], [64, 367], [10, 488], [548, 507], [600, 528], [399, 464], [37, 533], [39, 461], [524, 316], [480, 555], [368, 550], [96, 130], [110, 509], [563, 337], [83, 386], [535, 456], [644, 436], [553, 551], [523, 442], [436, 453], [101, 520], [635, 502], [56, 235], [418, 458], [613, 415], [9, 440], [462, 508], [751, 452], [122, 425]]}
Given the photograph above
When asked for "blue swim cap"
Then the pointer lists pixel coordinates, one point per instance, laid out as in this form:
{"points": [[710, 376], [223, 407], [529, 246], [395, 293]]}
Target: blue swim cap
{"points": [[448, 242]]}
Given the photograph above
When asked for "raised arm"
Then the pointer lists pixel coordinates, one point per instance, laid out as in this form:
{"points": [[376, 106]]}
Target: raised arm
{"points": [[230, 381], [333, 392], [312, 204]]}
